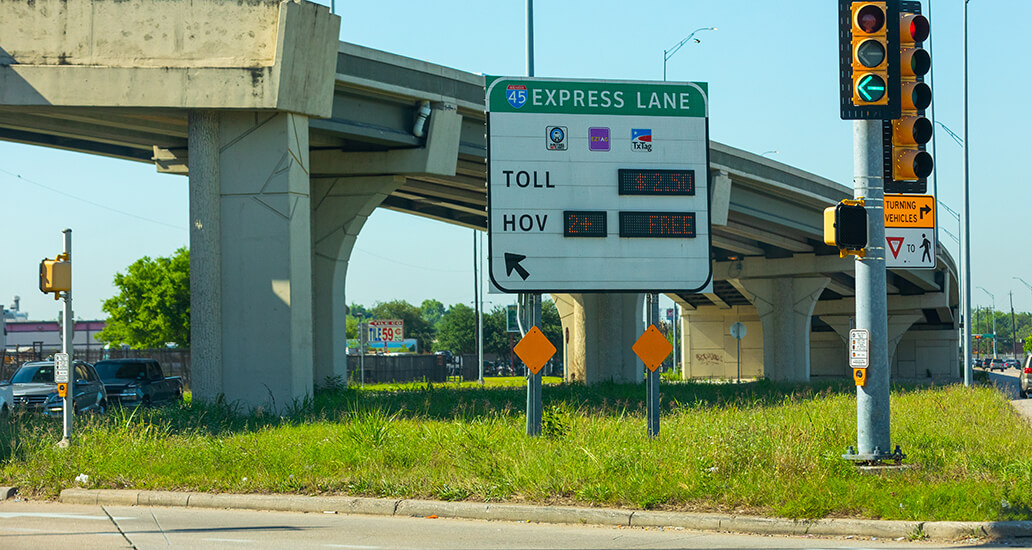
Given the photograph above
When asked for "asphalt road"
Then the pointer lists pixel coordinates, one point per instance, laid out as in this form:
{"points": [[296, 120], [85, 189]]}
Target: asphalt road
{"points": [[45, 525]]}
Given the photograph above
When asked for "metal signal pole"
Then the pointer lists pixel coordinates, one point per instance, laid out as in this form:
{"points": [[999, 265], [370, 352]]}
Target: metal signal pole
{"points": [[532, 302], [67, 349], [872, 411]]}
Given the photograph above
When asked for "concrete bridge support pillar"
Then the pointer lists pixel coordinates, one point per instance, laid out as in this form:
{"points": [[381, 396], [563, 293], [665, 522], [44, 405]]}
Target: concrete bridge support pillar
{"points": [[899, 324], [340, 207], [602, 328], [708, 349], [785, 306], [250, 248]]}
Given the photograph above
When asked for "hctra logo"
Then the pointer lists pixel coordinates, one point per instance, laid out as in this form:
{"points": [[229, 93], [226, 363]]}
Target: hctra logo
{"points": [[516, 95], [641, 140]]}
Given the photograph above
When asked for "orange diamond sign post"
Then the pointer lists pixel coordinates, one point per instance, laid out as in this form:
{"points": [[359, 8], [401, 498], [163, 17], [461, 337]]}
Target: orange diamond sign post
{"points": [[534, 350], [652, 348]]}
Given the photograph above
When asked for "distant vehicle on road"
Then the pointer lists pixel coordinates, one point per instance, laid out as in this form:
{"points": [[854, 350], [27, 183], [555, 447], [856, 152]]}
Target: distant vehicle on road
{"points": [[1012, 363], [997, 364], [131, 382], [1025, 377], [34, 388]]}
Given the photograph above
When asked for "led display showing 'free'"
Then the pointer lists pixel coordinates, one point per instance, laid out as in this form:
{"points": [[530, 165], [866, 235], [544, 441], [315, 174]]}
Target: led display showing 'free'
{"points": [[679, 225]]}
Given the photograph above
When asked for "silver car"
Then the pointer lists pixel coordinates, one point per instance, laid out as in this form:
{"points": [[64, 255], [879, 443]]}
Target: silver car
{"points": [[34, 388]]}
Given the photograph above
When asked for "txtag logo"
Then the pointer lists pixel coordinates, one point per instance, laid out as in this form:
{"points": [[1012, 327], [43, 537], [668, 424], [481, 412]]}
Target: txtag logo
{"points": [[641, 140], [555, 138], [598, 139]]}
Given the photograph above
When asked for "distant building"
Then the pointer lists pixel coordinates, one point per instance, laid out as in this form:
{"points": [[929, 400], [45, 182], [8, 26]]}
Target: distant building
{"points": [[47, 334]]}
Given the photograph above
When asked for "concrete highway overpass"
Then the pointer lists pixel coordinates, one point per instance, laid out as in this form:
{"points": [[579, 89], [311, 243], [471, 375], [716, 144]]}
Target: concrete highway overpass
{"points": [[291, 139]]}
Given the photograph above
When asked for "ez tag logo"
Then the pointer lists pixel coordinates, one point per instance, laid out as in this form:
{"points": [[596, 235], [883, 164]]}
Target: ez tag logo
{"points": [[516, 95]]}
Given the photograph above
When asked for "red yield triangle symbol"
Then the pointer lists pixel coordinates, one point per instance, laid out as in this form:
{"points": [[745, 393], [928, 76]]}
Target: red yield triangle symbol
{"points": [[895, 243]]}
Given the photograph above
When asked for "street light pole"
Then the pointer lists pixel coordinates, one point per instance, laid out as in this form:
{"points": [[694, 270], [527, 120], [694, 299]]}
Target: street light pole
{"points": [[965, 248], [667, 54], [994, 318]]}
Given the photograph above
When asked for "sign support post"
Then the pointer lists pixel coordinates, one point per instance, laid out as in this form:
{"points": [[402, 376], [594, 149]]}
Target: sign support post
{"points": [[532, 307], [651, 376]]}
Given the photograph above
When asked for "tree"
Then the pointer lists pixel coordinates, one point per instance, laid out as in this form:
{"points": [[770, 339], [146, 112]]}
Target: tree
{"points": [[433, 311], [152, 307], [457, 330], [415, 326]]}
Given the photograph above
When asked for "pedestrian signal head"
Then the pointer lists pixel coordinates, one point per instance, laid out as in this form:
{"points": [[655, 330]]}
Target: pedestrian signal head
{"points": [[845, 226], [55, 276]]}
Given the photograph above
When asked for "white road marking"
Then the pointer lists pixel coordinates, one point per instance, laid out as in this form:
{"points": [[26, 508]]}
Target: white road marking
{"points": [[20, 529], [12, 515], [228, 540]]}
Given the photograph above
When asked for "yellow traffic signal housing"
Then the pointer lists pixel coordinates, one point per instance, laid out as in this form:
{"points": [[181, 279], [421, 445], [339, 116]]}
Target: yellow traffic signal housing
{"points": [[908, 164], [845, 226], [868, 65], [870, 61], [55, 275]]}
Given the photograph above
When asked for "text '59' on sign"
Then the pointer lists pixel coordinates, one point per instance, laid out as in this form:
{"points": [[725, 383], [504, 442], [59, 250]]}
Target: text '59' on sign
{"points": [[598, 185]]}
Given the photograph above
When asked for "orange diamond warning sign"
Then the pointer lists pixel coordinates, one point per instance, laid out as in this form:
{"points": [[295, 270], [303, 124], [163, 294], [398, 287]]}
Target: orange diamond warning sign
{"points": [[534, 350], [652, 348]]}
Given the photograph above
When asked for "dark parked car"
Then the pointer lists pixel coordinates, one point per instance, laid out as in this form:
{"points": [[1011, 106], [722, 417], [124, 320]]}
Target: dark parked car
{"points": [[132, 382], [34, 388]]}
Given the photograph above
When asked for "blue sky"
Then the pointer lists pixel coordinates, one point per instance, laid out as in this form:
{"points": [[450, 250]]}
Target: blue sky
{"points": [[772, 74]]}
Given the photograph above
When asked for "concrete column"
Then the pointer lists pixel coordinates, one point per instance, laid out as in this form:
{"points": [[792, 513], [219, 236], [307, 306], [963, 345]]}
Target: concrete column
{"points": [[898, 324], [708, 349], [205, 256], [785, 306], [340, 207], [262, 285], [602, 329]]}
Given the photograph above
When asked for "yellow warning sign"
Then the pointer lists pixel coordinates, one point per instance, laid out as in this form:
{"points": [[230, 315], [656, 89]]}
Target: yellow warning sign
{"points": [[534, 349], [652, 348], [910, 211]]}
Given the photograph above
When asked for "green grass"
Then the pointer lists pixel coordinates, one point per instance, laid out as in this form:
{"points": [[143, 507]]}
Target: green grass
{"points": [[756, 448]]}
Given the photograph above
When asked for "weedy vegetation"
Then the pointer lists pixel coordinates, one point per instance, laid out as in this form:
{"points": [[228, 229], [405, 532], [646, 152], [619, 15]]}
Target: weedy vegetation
{"points": [[758, 447]]}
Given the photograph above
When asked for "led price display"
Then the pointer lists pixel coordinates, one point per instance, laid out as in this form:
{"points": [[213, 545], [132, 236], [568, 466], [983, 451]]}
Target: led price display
{"points": [[658, 224], [656, 182], [584, 223]]}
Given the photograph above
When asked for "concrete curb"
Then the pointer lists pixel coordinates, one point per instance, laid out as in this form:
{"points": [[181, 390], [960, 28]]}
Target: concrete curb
{"points": [[938, 530], [7, 492]]}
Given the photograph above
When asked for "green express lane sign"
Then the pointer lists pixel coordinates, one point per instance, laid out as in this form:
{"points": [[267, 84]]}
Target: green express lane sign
{"points": [[598, 185]]}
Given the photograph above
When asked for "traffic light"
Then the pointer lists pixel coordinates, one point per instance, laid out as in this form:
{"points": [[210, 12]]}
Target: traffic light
{"points": [[907, 163], [55, 275], [845, 226], [868, 67]]}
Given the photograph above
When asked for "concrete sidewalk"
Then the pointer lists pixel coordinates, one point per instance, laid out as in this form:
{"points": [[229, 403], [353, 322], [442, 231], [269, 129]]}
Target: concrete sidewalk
{"points": [[938, 530]]}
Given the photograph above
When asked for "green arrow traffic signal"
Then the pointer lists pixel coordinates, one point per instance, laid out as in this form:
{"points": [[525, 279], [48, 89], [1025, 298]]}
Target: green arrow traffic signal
{"points": [[871, 87]]}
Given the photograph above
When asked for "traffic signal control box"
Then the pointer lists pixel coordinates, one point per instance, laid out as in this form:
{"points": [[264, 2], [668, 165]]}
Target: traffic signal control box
{"points": [[869, 69], [845, 226], [55, 275]]}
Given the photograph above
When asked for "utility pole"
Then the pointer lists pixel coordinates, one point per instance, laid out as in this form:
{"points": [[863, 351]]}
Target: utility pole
{"points": [[1014, 328]]}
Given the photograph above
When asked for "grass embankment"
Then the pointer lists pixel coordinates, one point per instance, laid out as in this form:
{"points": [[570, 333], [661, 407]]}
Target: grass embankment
{"points": [[756, 448]]}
